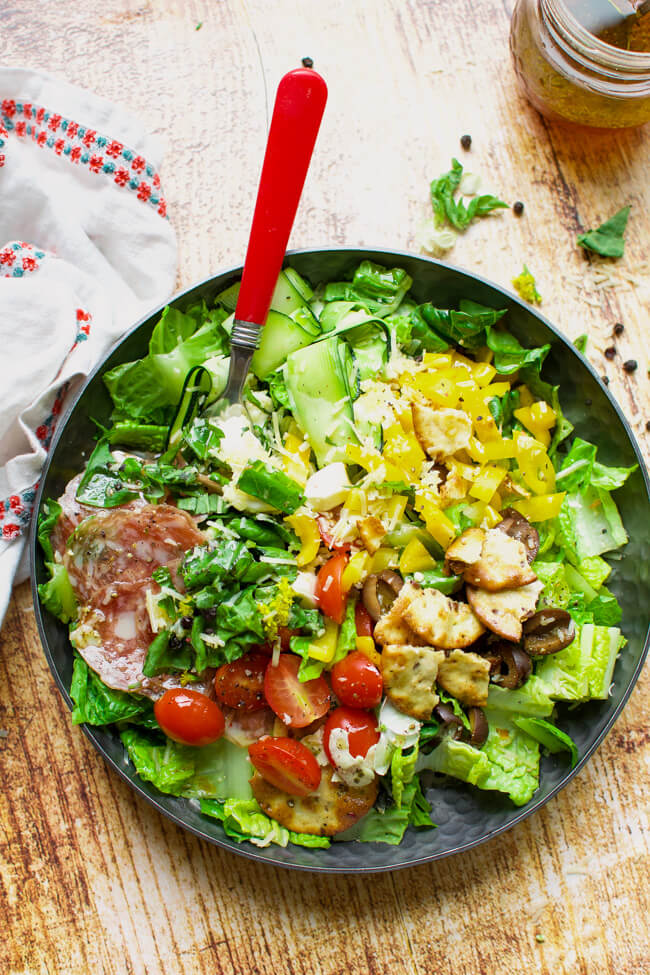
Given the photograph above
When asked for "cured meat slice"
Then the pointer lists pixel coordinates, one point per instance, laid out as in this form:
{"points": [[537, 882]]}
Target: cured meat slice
{"points": [[126, 545], [73, 513], [113, 634]]}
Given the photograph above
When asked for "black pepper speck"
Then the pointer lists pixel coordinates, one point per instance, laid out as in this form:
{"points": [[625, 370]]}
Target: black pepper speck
{"points": [[647, 425], [619, 328], [466, 142], [518, 208], [631, 365], [587, 402], [307, 63], [610, 352]]}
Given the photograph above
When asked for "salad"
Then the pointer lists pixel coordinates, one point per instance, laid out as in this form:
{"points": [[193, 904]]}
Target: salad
{"points": [[302, 613]]}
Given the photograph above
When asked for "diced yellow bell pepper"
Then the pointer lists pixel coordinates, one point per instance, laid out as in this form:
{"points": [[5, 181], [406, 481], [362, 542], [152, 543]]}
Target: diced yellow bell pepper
{"points": [[438, 525], [483, 373], [500, 449], [524, 415], [487, 483], [496, 389], [541, 508], [467, 471], [543, 414], [366, 646], [356, 503], [297, 466], [491, 518], [324, 647], [496, 501], [438, 387], [526, 398], [403, 451], [415, 558], [371, 460], [437, 360], [384, 558], [485, 428], [534, 463], [395, 509], [306, 528], [356, 571]]}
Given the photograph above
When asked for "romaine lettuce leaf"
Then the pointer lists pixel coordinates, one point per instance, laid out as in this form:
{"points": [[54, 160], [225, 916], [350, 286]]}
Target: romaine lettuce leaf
{"points": [[166, 764], [556, 591], [273, 487], [530, 699], [47, 519], [388, 824], [57, 594], [97, 704], [244, 820], [590, 523], [513, 759], [402, 770], [550, 737], [563, 675]]}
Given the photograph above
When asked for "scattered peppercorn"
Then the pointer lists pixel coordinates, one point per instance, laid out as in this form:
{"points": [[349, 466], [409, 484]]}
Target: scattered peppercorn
{"points": [[647, 426], [631, 365], [466, 142], [518, 208], [307, 63], [175, 643], [610, 352], [619, 328], [605, 380], [186, 622]]}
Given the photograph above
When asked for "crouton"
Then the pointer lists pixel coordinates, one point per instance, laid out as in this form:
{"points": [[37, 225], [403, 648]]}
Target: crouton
{"points": [[465, 676], [409, 675], [503, 612], [441, 432], [490, 559], [440, 621]]}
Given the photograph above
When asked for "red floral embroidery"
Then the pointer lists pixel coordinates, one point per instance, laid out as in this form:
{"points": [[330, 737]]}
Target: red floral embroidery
{"points": [[41, 432], [9, 107], [7, 257], [156, 181], [40, 115], [82, 316], [114, 149], [122, 177], [29, 264], [15, 504], [27, 109], [138, 164], [54, 123], [89, 138], [2, 161], [59, 146], [10, 531], [73, 128], [162, 208], [144, 191], [42, 138], [96, 163], [75, 154], [21, 128]]}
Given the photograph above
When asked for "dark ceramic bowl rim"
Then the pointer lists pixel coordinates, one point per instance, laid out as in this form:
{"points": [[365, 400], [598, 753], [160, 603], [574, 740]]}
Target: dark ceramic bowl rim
{"points": [[531, 807]]}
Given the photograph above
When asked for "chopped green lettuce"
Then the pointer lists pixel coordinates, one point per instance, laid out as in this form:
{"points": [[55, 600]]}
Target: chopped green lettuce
{"points": [[244, 820], [450, 209], [402, 770], [556, 590], [57, 594], [388, 824], [513, 759], [97, 704], [48, 516], [590, 523], [550, 737], [273, 487], [530, 699]]}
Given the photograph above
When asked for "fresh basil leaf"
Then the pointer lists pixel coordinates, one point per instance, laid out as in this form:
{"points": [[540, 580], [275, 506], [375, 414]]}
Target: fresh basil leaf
{"points": [[100, 486], [608, 239], [272, 487], [167, 653], [448, 208]]}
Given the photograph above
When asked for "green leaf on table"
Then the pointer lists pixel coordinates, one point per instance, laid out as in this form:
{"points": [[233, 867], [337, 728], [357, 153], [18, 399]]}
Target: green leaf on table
{"points": [[447, 208], [608, 239]]}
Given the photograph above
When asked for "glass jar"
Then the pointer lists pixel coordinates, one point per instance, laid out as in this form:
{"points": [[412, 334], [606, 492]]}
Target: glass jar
{"points": [[569, 74]]}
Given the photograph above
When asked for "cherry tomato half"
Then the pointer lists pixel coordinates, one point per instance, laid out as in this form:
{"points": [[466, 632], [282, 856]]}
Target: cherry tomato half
{"points": [[240, 684], [287, 764], [284, 635], [189, 717], [329, 593], [363, 620], [297, 703], [361, 727], [356, 681]]}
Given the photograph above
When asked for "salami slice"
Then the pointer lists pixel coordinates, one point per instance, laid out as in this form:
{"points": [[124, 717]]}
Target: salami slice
{"points": [[126, 545], [73, 513], [113, 635]]}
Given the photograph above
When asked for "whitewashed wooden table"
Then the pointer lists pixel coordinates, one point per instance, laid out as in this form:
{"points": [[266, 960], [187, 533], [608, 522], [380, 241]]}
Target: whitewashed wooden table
{"points": [[93, 880]]}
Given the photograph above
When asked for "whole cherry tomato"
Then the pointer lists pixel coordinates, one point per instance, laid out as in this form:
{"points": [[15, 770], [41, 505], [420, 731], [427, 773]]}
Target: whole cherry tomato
{"points": [[356, 681], [287, 764], [189, 717]]}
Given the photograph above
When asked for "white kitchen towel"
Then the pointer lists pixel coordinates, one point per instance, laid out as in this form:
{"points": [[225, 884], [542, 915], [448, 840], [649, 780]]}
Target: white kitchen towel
{"points": [[85, 250]]}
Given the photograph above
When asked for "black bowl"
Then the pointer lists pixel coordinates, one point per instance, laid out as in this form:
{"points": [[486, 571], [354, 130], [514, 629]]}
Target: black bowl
{"points": [[465, 816]]}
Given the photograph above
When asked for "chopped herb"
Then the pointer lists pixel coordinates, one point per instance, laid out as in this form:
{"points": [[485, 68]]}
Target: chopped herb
{"points": [[608, 239], [199, 25], [466, 142], [540, 938], [518, 208], [631, 365], [446, 209], [581, 343], [524, 285]]}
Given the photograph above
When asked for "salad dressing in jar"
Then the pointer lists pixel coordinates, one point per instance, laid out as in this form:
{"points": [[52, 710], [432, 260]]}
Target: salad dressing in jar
{"points": [[584, 61]]}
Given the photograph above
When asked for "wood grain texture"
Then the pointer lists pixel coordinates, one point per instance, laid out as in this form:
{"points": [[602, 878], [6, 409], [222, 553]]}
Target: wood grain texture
{"points": [[91, 879]]}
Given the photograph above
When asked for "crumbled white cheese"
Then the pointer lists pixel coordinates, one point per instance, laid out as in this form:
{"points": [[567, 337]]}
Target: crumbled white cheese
{"points": [[354, 770], [304, 586], [328, 487], [158, 618], [238, 448]]}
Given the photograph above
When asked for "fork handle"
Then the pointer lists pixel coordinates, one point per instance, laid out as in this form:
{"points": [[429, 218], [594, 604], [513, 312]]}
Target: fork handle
{"points": [[299, 105]]}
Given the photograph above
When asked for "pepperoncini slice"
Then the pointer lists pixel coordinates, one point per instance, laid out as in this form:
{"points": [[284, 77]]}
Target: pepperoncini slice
{"points": [[356, 571], [297, 465], [541, 508], [404, 452], [438, 525], [534, 463], [416, 558], [487, 483], [324, 647], [306, 528]]}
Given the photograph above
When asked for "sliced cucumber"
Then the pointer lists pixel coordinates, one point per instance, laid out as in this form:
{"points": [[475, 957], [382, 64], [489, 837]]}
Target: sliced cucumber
{"points": [[301, 286], [286, 298], [320, 398], [280, 336]]}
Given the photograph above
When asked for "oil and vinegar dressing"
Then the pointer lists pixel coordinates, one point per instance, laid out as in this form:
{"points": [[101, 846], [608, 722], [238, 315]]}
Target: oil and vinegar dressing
{"points": [[621, 23]]}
